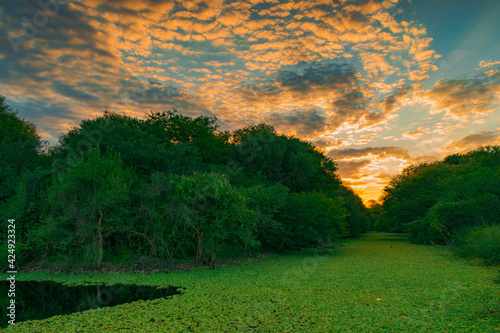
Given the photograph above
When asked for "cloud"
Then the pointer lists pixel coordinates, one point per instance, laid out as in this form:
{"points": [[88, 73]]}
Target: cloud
{"points": [[464, 98], [325, 142], [368, 170], [350, 169], [353, 107], [172, 43], [330, 76], [472, 141], [487, 63], [353, 153], [414, 135], [304, 124], [333, 72]]}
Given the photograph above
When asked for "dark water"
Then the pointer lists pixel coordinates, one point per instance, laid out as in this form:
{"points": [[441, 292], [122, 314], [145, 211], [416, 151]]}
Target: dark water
{"points": [[42, 299]]}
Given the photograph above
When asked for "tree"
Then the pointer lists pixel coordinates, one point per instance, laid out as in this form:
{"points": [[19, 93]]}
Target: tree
{"points": [[29, 206], [268, 202], [357, 217], [239, 134], [201, 132], [374, 211], [90, 202], [281, 159], [214, 213], [160, 216], [140, 143], [311, 218], [434, 202], [19, 149], [409, 196]]}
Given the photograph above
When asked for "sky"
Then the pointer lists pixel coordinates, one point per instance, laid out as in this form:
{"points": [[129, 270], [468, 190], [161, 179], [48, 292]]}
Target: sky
{"points": [[378, 85]]}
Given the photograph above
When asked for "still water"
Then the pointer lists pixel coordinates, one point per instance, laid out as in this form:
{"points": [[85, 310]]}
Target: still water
{"points": [[42, 299]]}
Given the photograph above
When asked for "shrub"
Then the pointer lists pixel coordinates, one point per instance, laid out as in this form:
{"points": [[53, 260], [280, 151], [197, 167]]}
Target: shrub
{"points": [[311, 218], [213, 212], [89, 203], [445, 218], [28, 207], [428, 230], [268, 201], [480, 242], [158, 216]]}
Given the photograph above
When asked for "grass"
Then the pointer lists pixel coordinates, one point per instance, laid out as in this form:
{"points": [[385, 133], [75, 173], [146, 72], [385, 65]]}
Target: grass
{"points": [[378, 283]]}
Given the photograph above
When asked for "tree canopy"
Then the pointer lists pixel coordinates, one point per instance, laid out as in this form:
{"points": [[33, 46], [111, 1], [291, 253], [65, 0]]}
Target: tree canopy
{"points": [[170, 186]]}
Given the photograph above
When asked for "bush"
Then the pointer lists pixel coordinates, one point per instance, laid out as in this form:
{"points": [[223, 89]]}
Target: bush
{"points": [[428, 230], [480, 242], [462, 191], [213, 212], [446, 218], [158, 216], [90, 204], [268, 201], [29, 206], [311, 218]]}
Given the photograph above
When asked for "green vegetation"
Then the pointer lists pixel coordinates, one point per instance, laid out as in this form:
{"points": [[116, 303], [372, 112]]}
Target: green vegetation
{"points": [[379, 283], [175, 189], [455, 201], [19, 148], [482, 243], [168, 187]]}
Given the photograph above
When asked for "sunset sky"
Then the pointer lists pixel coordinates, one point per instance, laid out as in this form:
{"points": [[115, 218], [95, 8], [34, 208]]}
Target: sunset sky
{"points": [[378, 85]]}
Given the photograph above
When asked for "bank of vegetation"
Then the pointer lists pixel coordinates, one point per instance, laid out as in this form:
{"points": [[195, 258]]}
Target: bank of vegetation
{"points": [[376, 283], [167, 186], [455, 201]]}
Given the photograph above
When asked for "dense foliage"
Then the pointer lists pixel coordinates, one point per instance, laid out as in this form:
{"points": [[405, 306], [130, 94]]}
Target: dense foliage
{"points": [[378, 283], [169, 186], [455, 201], [19, 148]]}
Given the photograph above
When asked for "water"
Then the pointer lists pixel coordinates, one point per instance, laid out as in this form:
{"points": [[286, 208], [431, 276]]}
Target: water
{"points": [[43, 299]]}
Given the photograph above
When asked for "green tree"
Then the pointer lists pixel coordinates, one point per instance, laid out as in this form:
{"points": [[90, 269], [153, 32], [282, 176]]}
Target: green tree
{"points": [[268, 202], [281, 159], [357, 217], [311, 218], [214, 213], [20, 145], [201, 132], [89, 203], [374, 211], [409, 196], [29, 206], [140, 144], [239, 134], [435, 202], [160, 216]]}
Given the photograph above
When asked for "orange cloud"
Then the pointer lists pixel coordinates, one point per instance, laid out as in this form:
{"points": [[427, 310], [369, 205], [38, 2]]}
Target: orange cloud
{"points": [[333, 72], [462, 98], [472, 141], [369, 170]]}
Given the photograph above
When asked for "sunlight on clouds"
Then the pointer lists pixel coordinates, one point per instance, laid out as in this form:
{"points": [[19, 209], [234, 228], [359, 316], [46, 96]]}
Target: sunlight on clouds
{"points": [[472, 141], [275, 38], [334, 73], [368, 170]]}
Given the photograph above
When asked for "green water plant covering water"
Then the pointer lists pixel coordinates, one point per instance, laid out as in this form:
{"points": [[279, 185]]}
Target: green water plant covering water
{"points": [[378, 283]]}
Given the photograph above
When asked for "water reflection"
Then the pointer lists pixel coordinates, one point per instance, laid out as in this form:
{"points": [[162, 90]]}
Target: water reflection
{"points": [[42, 299]]}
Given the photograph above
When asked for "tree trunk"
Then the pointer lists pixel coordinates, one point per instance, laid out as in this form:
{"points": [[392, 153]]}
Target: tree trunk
{"points": [[99, 235], [199, 252]]}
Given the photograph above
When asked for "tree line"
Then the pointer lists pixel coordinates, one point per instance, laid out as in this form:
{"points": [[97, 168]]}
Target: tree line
{"points": [[167, 186], [455, 201]]}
